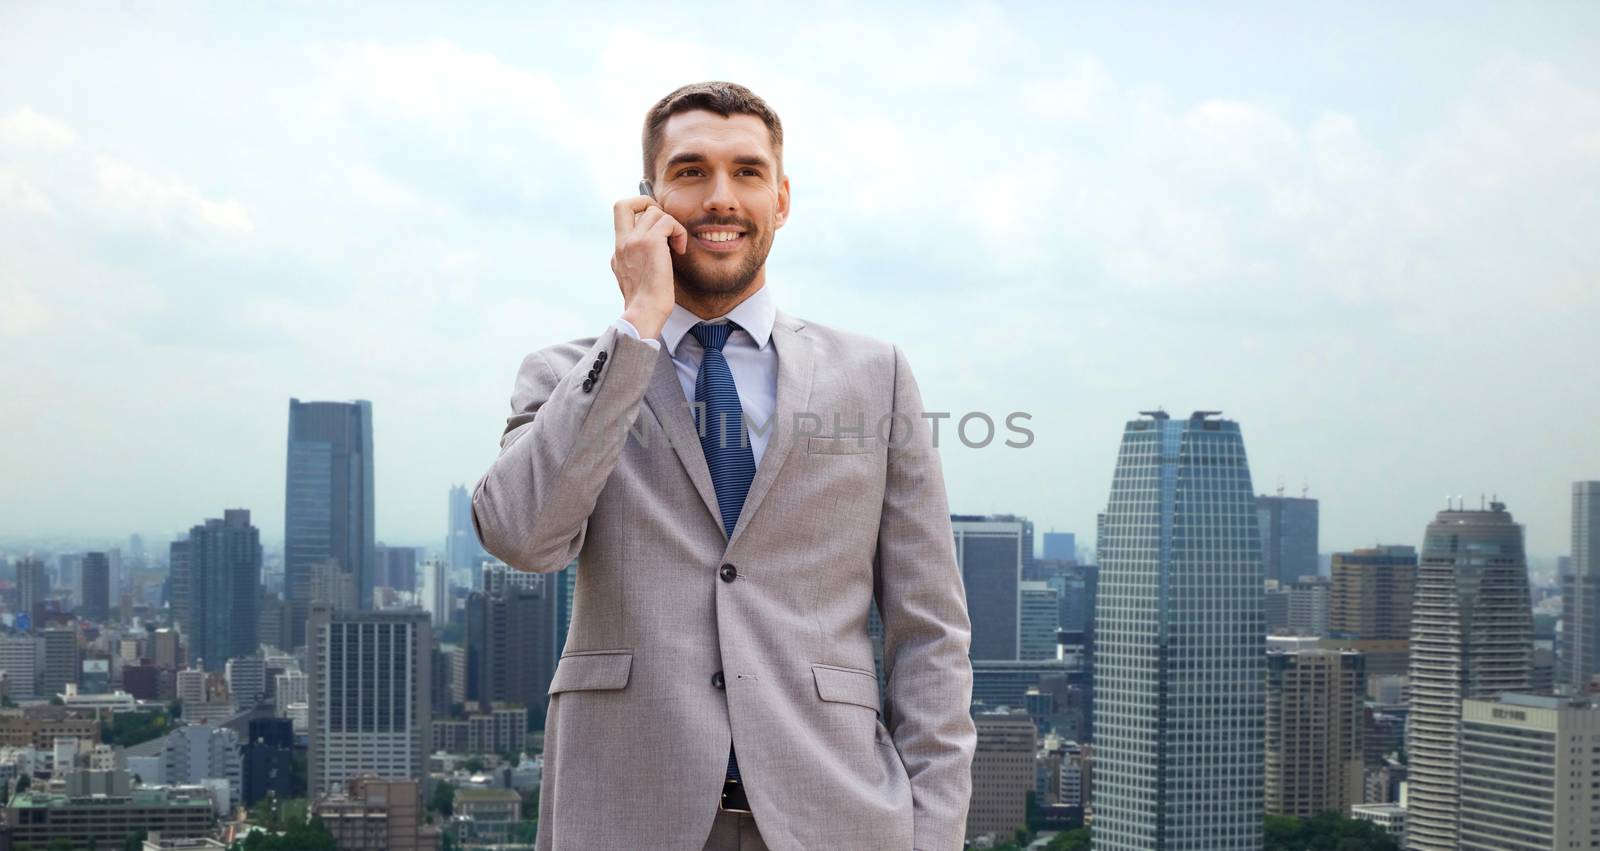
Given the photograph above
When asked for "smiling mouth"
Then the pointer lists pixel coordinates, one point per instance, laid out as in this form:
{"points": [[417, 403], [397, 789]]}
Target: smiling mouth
{"points": [[720, 240]]}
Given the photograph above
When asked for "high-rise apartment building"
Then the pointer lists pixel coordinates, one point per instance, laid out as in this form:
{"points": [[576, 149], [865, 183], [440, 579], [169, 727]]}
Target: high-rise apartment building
{"points": [[1471, 637], [1315, 719], [1180, 645], [1369, 606], [216, 581]]}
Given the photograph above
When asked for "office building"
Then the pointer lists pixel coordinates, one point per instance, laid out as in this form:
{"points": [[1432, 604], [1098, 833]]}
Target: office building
{"points": [[1288, 537], [33, 588], [374, 814], [1315, 720], [397, 568], [1529, 775], [216, 577], [1041, 617], [1002, 772], [369, 684], [436, 591], [1308, 607], [268, 760], [39, 818], [247, 681], [990, 552], [511, 638], [1578, 657], [328, 503], [94, 592], [1180, 643], [22, 658], [1061, 546], [194, 753], [1471, 638], [62, 662]]}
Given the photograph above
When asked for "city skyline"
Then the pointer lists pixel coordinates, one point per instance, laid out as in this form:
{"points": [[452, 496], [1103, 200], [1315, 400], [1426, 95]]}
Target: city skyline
{"points": [[399, 207]]}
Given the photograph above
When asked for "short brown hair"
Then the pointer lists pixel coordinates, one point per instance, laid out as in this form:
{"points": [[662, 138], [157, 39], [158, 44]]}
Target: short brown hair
{"points": [[717, 96]]}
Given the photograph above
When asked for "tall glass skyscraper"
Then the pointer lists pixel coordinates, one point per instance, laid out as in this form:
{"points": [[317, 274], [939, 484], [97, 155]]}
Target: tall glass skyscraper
{"points": [[1471, 637], [463, 550], [1179, 704], [328, 503], [1288, 537]]}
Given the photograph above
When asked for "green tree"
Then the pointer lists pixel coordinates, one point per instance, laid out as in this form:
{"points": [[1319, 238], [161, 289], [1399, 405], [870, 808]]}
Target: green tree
{"points": [[444, 799], [1326, 832], [134, 841], [1072, 840]]}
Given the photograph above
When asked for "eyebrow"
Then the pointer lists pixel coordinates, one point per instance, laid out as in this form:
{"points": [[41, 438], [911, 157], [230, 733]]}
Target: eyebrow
{"points": [[696, 157]]}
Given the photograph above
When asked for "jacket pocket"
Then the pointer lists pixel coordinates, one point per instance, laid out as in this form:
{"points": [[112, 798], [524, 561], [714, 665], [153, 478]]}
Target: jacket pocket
{"points": [[846, 685], [592, 670]]}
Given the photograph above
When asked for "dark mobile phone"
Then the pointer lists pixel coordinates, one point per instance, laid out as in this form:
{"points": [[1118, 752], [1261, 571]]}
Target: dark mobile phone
{"points": [[645, 188]]}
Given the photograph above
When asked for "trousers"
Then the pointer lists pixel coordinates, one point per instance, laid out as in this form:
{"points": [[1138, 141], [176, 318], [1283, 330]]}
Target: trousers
{"points": [[734, 832]]}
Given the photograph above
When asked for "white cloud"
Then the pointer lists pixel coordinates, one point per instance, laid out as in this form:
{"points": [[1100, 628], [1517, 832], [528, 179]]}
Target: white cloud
{"points": [[16, 191], [28, 129], [158, 202], [20, 310]]}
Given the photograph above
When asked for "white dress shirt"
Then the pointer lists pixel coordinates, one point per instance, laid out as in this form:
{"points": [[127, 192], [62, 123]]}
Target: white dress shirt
{"points": [[752, 357]]}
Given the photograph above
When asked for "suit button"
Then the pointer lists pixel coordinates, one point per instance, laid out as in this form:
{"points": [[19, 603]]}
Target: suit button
{"points": [[717, 681], [594, 373], [600, 357], [728, 573], [588, 384]]}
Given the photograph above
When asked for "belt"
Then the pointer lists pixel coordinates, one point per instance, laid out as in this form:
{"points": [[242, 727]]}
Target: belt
{"points": [[733, 799]]}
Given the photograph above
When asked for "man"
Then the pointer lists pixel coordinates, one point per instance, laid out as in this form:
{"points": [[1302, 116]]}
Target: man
{"points": [[737, 485]]}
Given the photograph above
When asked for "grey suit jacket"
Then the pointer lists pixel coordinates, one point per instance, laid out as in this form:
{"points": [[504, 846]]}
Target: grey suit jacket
{"points": [[637, 734]]}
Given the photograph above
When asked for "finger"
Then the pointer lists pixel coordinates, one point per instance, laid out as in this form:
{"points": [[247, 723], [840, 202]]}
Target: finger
{"points": [[679, 237], [647, 220], [625, 211]]}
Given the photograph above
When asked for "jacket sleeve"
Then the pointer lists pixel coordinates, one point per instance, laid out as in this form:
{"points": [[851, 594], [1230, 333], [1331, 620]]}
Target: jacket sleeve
{"points": [[560, 445], [927, 631]]}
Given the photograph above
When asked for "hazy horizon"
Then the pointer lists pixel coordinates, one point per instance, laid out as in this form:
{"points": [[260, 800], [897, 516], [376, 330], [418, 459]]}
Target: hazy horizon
{"points": [[1367, 236]]}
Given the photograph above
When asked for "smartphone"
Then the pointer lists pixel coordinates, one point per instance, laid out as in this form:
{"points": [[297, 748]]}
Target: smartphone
{"points": [[645, 188]]}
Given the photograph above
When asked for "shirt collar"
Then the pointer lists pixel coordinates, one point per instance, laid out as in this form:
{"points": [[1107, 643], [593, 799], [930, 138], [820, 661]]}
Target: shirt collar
{"points": [[755, 315]]}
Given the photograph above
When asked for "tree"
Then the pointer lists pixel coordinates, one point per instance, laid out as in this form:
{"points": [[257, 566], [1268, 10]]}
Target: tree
{"points": [[444, 799], [1326, 832], [1072, 840], [303, 836], [134, 841]]}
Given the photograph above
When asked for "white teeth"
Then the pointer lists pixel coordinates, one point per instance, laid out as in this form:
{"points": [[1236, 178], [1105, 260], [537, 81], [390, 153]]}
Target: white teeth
{"points": [[719, 236]]}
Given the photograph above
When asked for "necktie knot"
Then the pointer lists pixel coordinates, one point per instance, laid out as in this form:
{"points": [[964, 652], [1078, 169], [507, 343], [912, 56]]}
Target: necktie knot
{"points": [[713, 336]]}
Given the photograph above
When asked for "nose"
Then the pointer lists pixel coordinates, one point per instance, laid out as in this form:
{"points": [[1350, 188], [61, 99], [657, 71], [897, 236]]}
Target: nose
{"points": [[721, 198]]}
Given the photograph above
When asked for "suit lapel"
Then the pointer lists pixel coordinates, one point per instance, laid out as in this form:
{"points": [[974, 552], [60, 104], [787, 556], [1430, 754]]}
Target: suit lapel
{"points": [[794, 397], [665, 397]]}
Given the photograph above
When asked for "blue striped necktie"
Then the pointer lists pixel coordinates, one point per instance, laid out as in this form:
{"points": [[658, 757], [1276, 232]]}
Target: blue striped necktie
{"points": [[722, 436]]}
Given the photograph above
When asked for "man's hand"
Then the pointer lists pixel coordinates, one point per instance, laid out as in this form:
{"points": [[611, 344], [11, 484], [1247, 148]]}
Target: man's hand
{"points": [[643, 264]]}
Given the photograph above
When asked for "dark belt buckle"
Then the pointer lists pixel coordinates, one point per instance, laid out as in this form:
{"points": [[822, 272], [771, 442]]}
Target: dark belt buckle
{"points": [[733, 799]]}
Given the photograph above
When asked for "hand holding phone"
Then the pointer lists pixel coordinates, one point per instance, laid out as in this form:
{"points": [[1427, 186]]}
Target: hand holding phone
{"points": [[642, 260]]}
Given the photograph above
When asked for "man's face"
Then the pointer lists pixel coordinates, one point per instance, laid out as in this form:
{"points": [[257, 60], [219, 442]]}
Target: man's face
{"points": [[718, 175]]}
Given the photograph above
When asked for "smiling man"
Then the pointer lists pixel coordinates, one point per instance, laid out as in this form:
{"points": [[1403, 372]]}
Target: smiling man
{"points": [[740, 487]]}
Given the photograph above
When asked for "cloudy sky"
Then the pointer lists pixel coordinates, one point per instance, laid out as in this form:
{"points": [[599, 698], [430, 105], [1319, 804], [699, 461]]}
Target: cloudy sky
{"points": [[1368, 235]]}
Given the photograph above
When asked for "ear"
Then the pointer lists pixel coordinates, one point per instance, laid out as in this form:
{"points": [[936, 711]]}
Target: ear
{"points": [[783, 202]]}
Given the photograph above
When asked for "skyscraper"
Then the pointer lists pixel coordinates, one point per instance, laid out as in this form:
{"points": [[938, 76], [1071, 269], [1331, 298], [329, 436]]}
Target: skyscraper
{"points": [[1579, 657], [94, 595], [369, 687], [216, 574], [328, 501], [1040, 618], [463, 550], [1180, 643], [1471, 637], [990, 553], [1061, 546], [1528, 775], [1288, 537]]}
